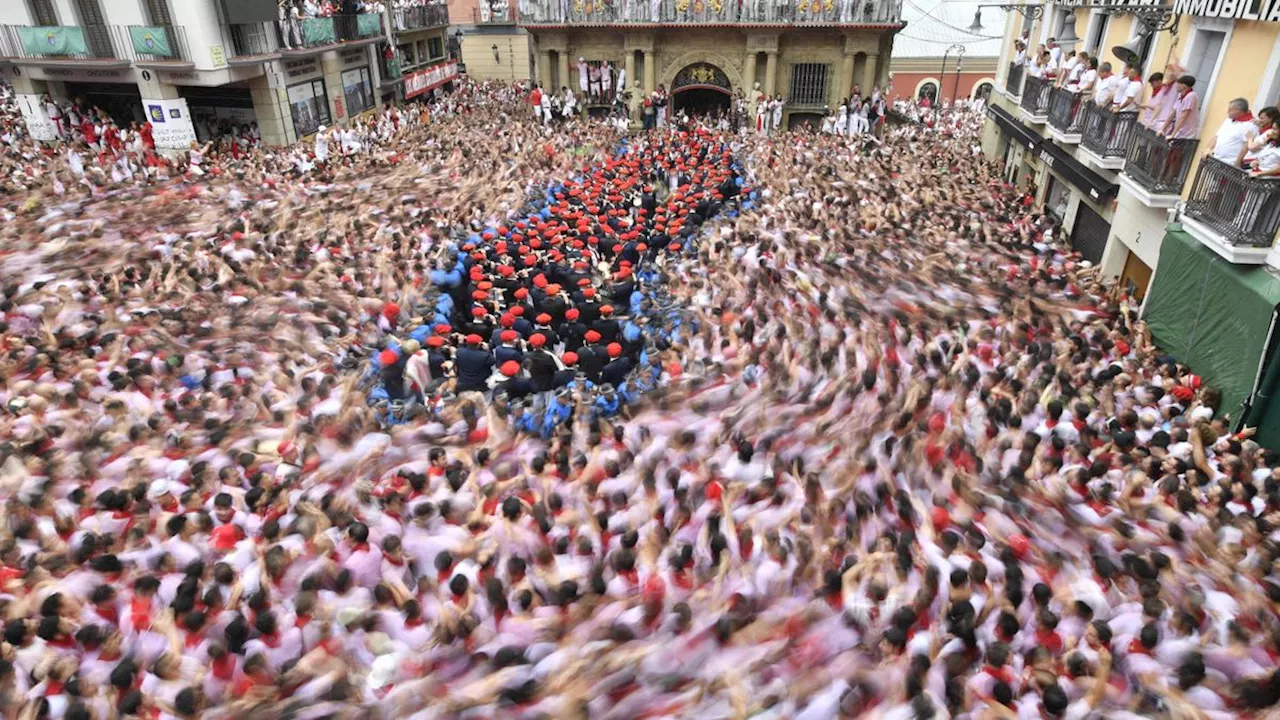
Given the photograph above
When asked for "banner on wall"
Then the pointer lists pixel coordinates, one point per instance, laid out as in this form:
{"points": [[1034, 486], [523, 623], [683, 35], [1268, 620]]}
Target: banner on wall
{"points": [[150, 41], [38, 122], [170, 123], [429, 79], [53, 40]]}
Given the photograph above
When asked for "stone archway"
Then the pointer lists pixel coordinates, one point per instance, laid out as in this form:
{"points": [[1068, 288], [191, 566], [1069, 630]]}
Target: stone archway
{"points": [[731, 70]]}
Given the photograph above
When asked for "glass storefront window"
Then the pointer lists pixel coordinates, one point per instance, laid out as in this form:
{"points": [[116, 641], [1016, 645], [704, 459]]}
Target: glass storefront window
{"points": [[310, 106]]}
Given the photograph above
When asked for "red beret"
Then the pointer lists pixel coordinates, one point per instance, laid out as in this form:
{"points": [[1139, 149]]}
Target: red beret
{"points": [[486, 285], [569, 358], [473, 339], [509, 335], [553, 289], [542, 319], [435, 341], [479, 295], [443, 329], [537, 339], [517, 310], [571, 313], [390, 311], [507, 320], [589, 293], [522, 293], [477, 311], [606, 309], [614, 349], [592, 336], [387, 357], [510, 368]]}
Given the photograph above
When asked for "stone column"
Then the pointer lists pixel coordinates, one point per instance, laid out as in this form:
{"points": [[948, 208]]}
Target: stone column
{"points": [[563, 68], [271, 105], [771, 74], [749, 74], [331, 67], [650, 71], [846, 75], [544, 68], [629, 64], [869, 77]]}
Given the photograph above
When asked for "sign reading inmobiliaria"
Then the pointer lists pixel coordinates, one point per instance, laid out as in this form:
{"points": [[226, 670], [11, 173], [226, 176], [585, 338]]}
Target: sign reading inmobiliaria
{"points": [[429, 79], [1264, 10]]}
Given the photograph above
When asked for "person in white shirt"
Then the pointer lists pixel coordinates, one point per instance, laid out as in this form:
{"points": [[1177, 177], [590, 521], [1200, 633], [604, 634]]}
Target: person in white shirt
{"points": [[1232, 140], [1128, 93], [1106, 86], [1087, 76]]}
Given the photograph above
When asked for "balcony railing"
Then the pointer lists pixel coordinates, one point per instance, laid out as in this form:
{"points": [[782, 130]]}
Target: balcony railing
{"points": [[1157, 163], [1035, 95], [712, 12], [1244, 210], [1065, 114], [157, 43], [63, 42], [1013, 83], [1105, 133], [320, 32], [416, 18], [493, 13], [254, 39]]}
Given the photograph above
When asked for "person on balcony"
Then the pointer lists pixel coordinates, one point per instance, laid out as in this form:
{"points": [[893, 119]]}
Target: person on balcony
{"points": [[1232, 140], [1266, 162], [1020, 53], [1183, 119], [1128, 94], [1088, 76], [1070, 69], [1266, 121], [1162, 96], [1107, 85]]}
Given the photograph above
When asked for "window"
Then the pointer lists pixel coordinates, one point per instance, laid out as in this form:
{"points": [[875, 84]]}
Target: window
{"points": [[43, 12], [1202, 58], [158, 12], [808, 84], [357, 88], [435, 48], [929, 91], [1056, 198], [310, 106], [1097, 33], [983, 92]]}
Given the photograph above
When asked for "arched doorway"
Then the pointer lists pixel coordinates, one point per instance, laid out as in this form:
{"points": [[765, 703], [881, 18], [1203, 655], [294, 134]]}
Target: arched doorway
{"points": [[701, 89], [927, 91]]}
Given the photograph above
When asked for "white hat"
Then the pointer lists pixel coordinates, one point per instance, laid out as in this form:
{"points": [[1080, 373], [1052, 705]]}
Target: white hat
{"points": [[1202, 413], [158, 489], [383, 671]]}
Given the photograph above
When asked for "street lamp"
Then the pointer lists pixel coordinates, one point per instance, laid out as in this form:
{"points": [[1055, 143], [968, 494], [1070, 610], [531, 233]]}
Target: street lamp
{"points": [[942, 74], [495, 54], [1031, 11]]}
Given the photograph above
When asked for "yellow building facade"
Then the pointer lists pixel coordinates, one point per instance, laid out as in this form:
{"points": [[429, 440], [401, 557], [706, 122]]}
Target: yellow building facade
{"points": [[1191, 238]]}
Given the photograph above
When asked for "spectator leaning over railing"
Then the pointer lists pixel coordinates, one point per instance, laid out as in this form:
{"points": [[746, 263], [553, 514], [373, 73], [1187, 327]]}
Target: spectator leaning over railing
{"points": [[1087, 77], [1181, 119], [1232, 140], [1106, 86], [1267, 120], [1161, 97], [1266, 162], [1128, 94]]}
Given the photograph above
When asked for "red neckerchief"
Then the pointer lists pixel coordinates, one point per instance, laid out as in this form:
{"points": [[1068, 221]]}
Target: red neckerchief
{"points": [[359, 547], [224, 667], [1001, 673], [110, 613], [65, 642], [193, 640], [1049, 640], [53, 688], [397, 561], [1137, 648], [271, 640], [444, 575], [745, 548], [414, 622], [631, 576], [302, 621]]}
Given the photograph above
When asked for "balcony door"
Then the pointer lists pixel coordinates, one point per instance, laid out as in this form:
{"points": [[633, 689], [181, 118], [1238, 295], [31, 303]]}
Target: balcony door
{"points": [[158, 13], [1089, 234], [43, 13], [96, 33]]}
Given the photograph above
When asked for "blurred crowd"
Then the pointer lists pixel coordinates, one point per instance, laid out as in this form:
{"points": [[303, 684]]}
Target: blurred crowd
{"points": [[326, 434]]}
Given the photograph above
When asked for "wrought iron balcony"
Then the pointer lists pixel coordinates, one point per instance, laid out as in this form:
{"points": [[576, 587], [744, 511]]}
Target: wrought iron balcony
{"points": [[64, 42], [1107, 134], [157, 44], [712, 12], [1065, 114], [1013, 82], [494, 12], [1035, 96], [251, 41], [417, 18], [1243, 210], [1158, 164]]}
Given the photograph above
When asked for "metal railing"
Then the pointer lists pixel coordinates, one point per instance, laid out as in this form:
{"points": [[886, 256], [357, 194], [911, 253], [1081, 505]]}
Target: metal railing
{"points": [[1244, 210], [1157, 163], [712, 12], [416, 18], [1065, 114], [1013, 82], [323, 31], [1105, 133], [156, 43], [1035, 95], [496, 12], [252, 39], [64, 42]]}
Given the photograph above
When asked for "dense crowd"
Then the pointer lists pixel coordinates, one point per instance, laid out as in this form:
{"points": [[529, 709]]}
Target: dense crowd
{"points": [[891, 449]]}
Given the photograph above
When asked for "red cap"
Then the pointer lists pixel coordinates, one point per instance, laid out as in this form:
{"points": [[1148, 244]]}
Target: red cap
{"points": [[522, 293], [543, 319], [571, 314], [477, 311], [510, 368], [479, 295], [589, 293], [1019, 544], [537, 339], [473, 339], [443, 329], [507, 320], [435, 341], [517, 310], [606, 309], [553, 289], [592, 336], [940, 517], [509, 335], [224, 537], [387, 357], [569, 358], [614, 349], [391, 311]]}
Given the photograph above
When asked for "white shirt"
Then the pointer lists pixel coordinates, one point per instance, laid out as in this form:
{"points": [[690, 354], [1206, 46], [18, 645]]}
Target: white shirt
{"points": [[1106, 88], [1232, 138], [1130, 90]]}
